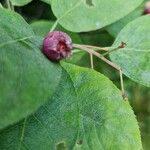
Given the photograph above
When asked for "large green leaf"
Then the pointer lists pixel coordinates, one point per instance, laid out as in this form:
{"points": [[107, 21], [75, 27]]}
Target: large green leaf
{"points": [[116, 27], [87, 112], [27, 78], [134, 58], [86, 15], [20, 2]]}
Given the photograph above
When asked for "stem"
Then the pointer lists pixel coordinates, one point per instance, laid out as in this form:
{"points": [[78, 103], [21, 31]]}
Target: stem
{"points": [[8, 5], [97, 54], [11, 5], [122, 45], [122, 84], [96, 47], [54, 26], [117, 67], [117, 48], [110, 51], [91, 59]]}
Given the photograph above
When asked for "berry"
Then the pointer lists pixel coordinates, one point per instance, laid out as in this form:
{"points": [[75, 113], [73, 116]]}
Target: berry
{"points": [[147, 8], [57, 46]]}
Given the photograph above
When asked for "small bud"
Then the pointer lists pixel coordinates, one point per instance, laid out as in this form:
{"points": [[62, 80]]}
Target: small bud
{"points": [[57, 45], [123, 45], [147, 8]]}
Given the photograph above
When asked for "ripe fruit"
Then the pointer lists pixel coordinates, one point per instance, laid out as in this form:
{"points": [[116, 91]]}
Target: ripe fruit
{"points": [[57, 45], [147, 8]]}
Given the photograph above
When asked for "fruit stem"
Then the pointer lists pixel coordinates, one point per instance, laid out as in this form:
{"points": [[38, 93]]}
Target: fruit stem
{"points": [[90, 51], [91, 60], [96, 47], [114, 49]]}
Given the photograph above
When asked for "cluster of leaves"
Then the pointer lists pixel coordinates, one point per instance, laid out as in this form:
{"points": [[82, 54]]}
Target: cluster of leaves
{"points": [[46, 105]]}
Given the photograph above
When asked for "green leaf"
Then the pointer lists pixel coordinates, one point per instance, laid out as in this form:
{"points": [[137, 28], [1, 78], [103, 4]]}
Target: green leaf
{"points": [[134, 58], [42, 27], [116, 27], [97, 38], [87, 112], [80, 58], [87, 15], [20, 2], [27, 78]]}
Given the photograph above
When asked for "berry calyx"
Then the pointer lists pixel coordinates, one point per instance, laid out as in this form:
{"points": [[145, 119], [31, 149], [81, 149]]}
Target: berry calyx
{"points": [[57, 46], [147, 8]]}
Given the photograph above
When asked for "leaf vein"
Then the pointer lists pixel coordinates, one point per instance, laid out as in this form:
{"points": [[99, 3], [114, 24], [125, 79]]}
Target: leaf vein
{"points": [[15, 41], [22, 134], [44, 127]]}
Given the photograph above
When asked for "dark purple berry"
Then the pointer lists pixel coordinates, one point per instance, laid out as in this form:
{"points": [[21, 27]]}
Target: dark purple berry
{"points": [[147, 8], [57, 45]]}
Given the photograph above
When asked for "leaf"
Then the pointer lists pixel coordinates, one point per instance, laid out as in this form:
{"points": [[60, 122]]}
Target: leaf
{"points": [[134, 58], [87, 112], [97, 38], [20, 2], [82, 58], [27, 78], [116, 27], [42, 27], [87, 15]]}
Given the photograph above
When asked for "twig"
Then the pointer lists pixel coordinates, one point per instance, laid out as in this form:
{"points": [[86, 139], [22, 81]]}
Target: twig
{"points": [[117, 67], [96, 47], [117, 48], [91, 59]]}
